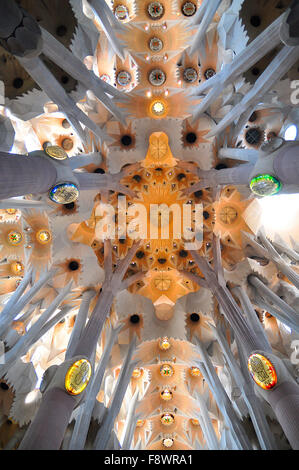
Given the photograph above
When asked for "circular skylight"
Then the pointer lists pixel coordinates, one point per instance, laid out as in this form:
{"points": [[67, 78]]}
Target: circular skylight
{"points": [[291, 132]]}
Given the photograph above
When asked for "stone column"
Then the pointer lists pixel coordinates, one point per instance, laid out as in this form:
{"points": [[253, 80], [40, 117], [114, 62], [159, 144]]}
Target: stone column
{"points": [[286, 164], [21, 175], [47, 430], [283, 399]]}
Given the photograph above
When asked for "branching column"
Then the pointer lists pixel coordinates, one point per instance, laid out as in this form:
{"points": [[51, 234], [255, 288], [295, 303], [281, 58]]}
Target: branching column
{"points": [[21, 175]]}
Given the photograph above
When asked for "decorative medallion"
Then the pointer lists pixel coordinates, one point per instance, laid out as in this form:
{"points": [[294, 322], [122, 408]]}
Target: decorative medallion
{"points": [[209, 73], [195, 422], [155, 44], [194, 371], [265, 185], [161, 283], [16, 267], [190, 75], [168, 442], [121, 12], [105, 78], [43, 236], [167, 419], [140, 423], [166, 394], [14, 238], [157, 77], [188, 9], [64, 193], [11, 211], [56, 152], [137, 373], [262, 371], [166, 370], [228, 215], [157, 108], [77, 377], [164, 344], [123, 78], [155, 10]]}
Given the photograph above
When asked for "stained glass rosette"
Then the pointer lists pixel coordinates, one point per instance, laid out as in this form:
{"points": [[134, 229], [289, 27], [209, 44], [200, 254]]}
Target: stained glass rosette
{"points": [[14, 238], [166, 370], [188, 9], [155, 44], [121, 12], [190, 75], [155, 10], [157, 77], [123, 78]]}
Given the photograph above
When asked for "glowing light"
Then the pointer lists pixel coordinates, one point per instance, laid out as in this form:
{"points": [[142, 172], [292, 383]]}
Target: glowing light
{"points": [[262, 371], [166, 394], [279, 213], [291, 132], [195, 422], [16, 267], [77, 377], [137, 373], [164, 344], [11, 211], [167, 442], [148, 94], [194, 371], [167, 419], [140, 423], [32, 396], [43, 236], [40, 373], [158, 108]]}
